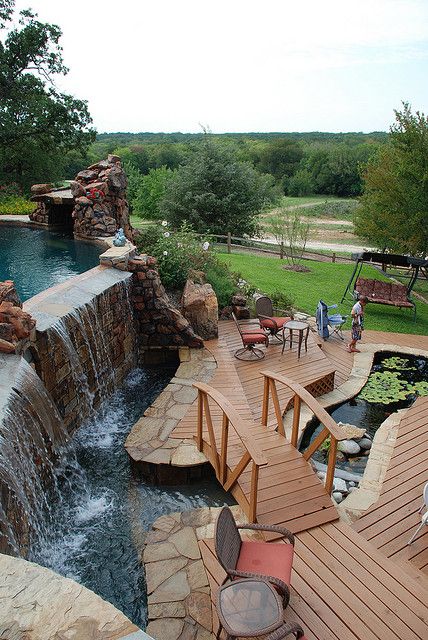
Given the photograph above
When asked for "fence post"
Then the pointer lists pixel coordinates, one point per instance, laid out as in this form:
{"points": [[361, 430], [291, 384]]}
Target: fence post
{"points": [[229, 242], [333, 257]]}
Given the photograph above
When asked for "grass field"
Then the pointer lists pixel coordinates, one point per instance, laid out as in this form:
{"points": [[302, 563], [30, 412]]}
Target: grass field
{"points": [[325, 281]]}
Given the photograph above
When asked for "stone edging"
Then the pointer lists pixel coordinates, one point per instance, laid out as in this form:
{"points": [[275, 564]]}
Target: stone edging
{"points": [[368, 492], [41, 604], [149, 443]]}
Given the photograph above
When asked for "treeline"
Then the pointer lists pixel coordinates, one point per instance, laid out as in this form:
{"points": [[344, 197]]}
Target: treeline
{"points": [[300, 163]]}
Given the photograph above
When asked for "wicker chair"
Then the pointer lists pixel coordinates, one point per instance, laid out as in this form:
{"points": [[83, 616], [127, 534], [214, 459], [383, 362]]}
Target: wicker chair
{"points": [[251, 559], [250, 337], [270, 319]]}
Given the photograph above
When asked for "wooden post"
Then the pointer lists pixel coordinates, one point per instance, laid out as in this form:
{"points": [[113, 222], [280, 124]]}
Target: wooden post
{"points": [[265, 406], [229, 242], [223, 455], [333, 257], [200, 418], [296, 420], [281, 251], [214, 452], [252, 516], [331, 465], [278, 412]]}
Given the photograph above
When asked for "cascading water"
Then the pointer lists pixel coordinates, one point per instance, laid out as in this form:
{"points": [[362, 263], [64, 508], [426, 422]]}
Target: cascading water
{"points": [[31, 436]]}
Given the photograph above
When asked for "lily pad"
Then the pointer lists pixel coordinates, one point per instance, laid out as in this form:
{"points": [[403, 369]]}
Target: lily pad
{"points": [[386, 387], [399, 364], [421, 388]]}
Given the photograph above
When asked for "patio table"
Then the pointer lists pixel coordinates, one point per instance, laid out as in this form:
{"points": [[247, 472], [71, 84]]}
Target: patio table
{"points": [[302, 328]]}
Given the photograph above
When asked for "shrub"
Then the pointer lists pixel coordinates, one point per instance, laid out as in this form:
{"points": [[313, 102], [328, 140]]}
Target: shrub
{"points": [[178, 252], [15, 205], [281, 300]]}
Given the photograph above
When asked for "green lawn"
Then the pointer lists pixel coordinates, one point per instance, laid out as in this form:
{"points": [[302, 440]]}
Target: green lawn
{"points": [[328, 282]]}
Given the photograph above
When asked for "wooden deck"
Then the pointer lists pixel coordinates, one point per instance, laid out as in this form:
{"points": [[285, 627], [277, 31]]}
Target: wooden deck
{"points": [[344, 589], [348, 583], [389, 524]]}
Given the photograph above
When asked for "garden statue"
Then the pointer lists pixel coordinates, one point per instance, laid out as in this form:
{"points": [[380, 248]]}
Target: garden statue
{"points": [[119, 239]]}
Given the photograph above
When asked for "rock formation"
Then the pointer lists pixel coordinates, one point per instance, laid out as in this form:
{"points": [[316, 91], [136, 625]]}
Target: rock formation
{"points": [[15, 324], [101, 207], [200, 307]]}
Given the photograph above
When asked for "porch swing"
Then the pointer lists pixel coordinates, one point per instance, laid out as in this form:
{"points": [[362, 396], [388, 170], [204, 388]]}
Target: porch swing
{"points": [[380, 292]]}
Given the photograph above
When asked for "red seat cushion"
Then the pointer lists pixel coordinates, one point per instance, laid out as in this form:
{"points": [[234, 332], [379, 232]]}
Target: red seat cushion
{"points": [[267, 323], [254, 338], [267, 559]]}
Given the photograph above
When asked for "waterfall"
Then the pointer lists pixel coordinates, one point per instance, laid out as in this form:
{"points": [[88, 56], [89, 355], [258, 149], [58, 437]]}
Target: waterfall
{"points": [[31, 436], [78, 367]]}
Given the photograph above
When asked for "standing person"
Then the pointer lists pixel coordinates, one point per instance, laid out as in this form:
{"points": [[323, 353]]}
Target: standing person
{"points": [[357, 323]]}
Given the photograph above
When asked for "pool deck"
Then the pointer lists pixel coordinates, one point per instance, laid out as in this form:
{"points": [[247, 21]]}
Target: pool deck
{"points": [[355, 581]]}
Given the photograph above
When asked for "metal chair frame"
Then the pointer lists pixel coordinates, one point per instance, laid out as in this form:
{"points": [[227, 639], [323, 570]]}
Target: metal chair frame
{"points": [[249, 349]]}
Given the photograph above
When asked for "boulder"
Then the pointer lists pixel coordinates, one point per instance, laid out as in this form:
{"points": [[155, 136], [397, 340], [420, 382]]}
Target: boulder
{"points": [[350, 447], [9, 293], [39, 189], [365, 444], [77, 190], [241, 313], [21, 322], [200, 307], [239, 301]]}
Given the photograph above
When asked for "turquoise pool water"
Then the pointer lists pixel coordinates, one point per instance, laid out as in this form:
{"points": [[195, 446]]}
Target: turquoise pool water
{"points": [[36, 259]]}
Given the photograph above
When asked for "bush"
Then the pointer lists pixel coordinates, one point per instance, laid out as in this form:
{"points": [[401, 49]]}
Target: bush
{"points": [[221, 280], [281, 300], [15, 205], [178, 252]]}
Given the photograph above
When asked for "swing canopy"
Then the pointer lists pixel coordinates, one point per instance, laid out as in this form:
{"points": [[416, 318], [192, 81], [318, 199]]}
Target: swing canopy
{"points": [[381, 292]]}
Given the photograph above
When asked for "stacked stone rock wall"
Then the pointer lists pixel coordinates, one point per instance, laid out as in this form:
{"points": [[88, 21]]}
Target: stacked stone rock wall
{"points": [[101, 207], [15, 324], [159, 323]]}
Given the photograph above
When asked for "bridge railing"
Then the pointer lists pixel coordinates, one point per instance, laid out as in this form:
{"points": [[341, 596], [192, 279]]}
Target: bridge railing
{"points": [[225, 473], [330, 427]]}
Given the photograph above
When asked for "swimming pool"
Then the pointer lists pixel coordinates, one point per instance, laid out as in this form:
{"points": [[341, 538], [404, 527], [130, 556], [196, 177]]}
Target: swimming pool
{"points": [[36, 259]]}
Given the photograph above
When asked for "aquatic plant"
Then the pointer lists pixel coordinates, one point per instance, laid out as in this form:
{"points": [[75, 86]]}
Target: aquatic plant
{"points": [[421, 388], [386, 387], [399, 364]]}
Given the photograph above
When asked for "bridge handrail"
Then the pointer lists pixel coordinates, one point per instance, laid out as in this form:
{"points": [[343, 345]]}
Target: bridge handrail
{"points": [[330, 426], [252, 452]]}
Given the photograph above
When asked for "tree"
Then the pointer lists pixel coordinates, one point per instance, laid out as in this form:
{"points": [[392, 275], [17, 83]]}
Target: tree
{"points": [[393, 213], [290, 232], [150, 193], [38, 124], [280, 158], [215, 193]]}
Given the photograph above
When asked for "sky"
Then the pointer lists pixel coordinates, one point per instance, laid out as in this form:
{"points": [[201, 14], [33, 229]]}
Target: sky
{"points": [[242, 65]]}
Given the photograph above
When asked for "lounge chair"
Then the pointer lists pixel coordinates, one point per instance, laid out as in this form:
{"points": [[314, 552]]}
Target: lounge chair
{"points": [[250, 337], [271, 319], [250, 559], [329, 324], [424, 518]]}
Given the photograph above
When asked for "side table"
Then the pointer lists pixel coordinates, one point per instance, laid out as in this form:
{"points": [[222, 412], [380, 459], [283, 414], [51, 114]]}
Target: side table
{"points": [[302, 328], [249, 607]]}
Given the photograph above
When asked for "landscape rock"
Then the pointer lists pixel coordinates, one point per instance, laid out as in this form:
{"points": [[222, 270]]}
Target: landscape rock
{"points": [[350, 447], [365, 444], [200, 307], [337, 496]]}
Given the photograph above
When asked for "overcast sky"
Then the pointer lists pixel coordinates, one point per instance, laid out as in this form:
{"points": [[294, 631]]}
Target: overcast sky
{"points": [[243, 65]]}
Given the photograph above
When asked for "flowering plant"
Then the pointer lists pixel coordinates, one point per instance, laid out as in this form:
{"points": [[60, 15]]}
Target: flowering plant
{"points": [[94, 194]]}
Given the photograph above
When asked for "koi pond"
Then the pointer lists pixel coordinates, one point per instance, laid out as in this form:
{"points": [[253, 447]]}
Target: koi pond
{"points": [[395, 381]]}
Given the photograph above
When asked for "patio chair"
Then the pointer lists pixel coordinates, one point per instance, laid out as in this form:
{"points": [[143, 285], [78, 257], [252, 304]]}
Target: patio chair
{"points": [[424, 516], [250, 337], [329, 325], [271, 319], [251, 559]]}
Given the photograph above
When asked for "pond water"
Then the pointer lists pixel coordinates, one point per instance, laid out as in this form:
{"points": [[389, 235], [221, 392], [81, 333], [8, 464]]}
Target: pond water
{"points": [[95, 531], [369, 414], [36, 259]]}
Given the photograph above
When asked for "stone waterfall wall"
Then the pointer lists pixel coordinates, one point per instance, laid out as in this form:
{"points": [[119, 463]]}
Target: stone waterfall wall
{"points": [[101, 207], [85, 340]]}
